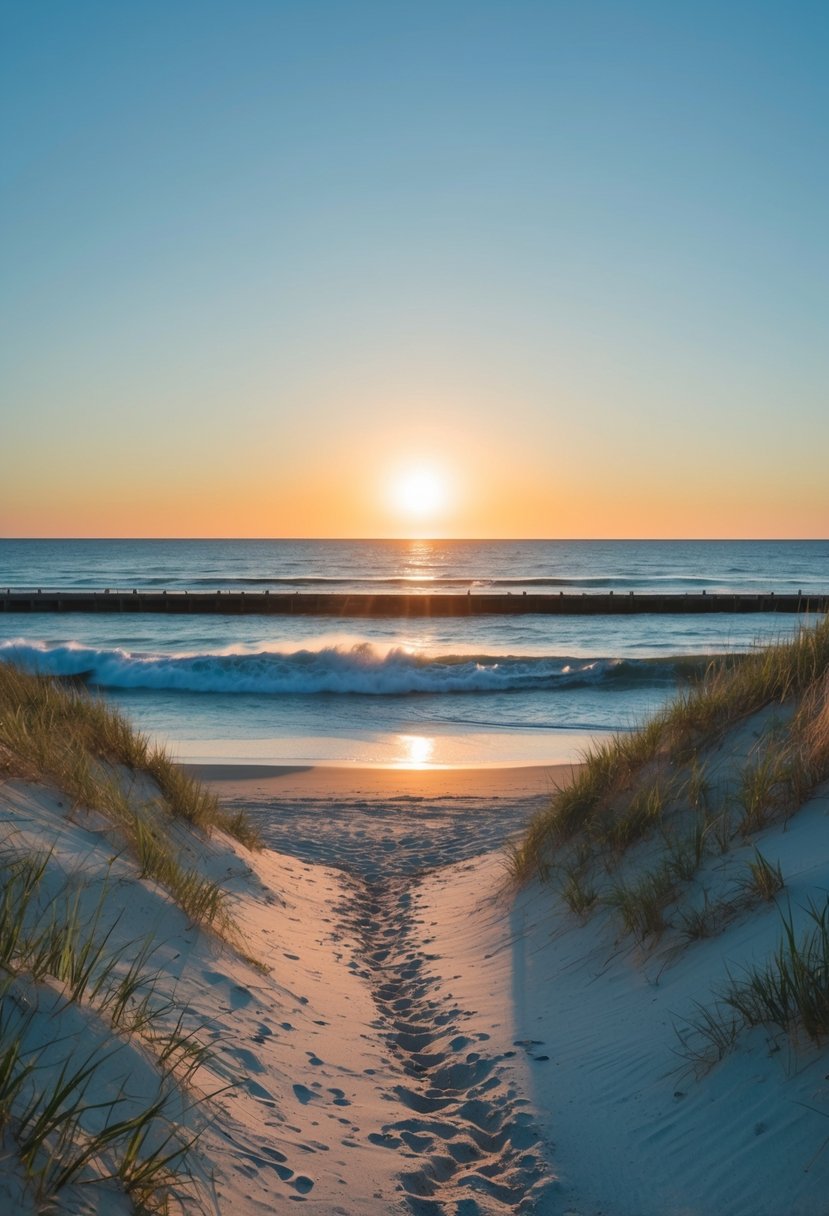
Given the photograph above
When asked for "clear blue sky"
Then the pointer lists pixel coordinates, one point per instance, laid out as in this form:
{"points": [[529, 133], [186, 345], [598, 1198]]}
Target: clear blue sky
{"points": [[254, 254]]}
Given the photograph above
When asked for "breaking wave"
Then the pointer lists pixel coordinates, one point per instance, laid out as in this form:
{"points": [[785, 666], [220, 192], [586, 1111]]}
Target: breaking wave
{"points": [[360, 668]]}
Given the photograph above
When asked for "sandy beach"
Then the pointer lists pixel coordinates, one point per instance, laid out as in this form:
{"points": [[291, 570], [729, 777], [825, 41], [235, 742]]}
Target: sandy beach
{"points": [[521, 1061], [429, 1105], [333, 781], [376, 822], [398, 1030], [534, 1060], [348, 1075]]}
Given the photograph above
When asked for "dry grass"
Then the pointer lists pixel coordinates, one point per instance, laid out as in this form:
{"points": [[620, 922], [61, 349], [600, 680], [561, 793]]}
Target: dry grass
{"points": [[641, 905], [56, 732], [57, 1110], [811, 730], [789, 993], [660, 818], [764, 879], [660, 827], [630, 785]]}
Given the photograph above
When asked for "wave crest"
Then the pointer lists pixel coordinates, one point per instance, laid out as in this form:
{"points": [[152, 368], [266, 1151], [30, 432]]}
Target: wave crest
{"points": [[360, 668]]}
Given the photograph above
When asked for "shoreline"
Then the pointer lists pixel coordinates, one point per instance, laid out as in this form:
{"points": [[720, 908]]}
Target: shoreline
{"points": [[375, 825], [261, 781], [420, 750]]}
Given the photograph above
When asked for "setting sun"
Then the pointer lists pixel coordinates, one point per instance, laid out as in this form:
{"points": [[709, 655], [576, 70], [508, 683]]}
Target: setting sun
{"points": [[419, 492]]}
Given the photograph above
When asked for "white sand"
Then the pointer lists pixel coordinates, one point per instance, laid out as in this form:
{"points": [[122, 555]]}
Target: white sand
{"points": [[427, 1042]]}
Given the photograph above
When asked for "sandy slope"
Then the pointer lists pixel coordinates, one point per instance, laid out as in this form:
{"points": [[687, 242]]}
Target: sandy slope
{"points": [[420, 1040], [629, 1129], [319, 1094], [450, 1129], [567, 1031]]}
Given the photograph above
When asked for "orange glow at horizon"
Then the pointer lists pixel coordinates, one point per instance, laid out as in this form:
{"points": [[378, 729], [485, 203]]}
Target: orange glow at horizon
{"points": [[483, 486]]}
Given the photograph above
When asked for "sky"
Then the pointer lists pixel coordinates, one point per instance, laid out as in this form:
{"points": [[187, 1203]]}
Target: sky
{"points": [[265, 268]]}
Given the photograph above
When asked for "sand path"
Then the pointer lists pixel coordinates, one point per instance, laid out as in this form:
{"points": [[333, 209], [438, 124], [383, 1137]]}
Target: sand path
{"points": [[459, 1129], [463, 1130], [384, 823]]}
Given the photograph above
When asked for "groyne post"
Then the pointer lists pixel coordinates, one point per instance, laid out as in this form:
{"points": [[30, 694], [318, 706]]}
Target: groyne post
{"points": [[408, 605]]}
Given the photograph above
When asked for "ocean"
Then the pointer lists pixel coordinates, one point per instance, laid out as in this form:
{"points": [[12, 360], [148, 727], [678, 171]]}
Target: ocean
{"points": [[448, 691]]}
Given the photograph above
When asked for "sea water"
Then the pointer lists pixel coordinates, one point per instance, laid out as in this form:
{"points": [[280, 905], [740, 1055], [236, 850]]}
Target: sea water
{"points": [[472, 690]]}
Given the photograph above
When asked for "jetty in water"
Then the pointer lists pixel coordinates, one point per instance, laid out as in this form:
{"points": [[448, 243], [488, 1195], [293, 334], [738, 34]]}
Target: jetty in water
{"points": [[282, 603]]}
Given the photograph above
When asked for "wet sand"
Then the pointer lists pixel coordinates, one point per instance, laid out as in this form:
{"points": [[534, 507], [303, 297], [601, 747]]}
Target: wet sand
{"points": [[331, 781], [385, 823]]}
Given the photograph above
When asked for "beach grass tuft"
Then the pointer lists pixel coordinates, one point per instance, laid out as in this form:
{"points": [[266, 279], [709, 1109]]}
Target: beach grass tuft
{"points": [[789, 992], [764, 879], [64, 1121], [58, 732], [63, 948], [628, 785], [578, 891], [641, 904], [791, 989], [661, 826]]}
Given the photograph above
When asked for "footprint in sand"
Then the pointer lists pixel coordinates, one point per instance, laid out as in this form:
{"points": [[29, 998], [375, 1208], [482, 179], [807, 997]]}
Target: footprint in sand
{"points": [[384, 1139], [247, 1059], [239, 996], [259, 1091]]}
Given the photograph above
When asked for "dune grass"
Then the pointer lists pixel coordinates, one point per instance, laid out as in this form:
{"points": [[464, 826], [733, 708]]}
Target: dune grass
{"points": [[628, 784], [62, 1133], [764, 878], [63, 947], [58, 730], [60, 1115], [53, 731], [655, 827], [641, 904], [789, 992], [54, 939]]}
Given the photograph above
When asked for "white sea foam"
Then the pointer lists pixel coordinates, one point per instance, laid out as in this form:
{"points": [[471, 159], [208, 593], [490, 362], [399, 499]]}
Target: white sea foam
{"points": [[361, 667]]}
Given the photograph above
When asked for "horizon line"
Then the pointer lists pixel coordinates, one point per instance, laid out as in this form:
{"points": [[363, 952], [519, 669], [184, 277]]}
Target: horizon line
{"points": [[442, 539]]}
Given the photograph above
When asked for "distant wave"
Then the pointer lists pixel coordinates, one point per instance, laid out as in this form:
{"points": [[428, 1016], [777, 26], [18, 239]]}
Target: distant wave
{"points": [[436, 584], [446, 581], [360, 668]]}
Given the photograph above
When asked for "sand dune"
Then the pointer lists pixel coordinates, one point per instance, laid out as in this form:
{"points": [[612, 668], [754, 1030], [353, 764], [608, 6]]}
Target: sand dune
{"points": [[408, 1035]]}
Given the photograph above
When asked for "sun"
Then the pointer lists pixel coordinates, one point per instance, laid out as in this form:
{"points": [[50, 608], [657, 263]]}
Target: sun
{"points": [[419, 491]]}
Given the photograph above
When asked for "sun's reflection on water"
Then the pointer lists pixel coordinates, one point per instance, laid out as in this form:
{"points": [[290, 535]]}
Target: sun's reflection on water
{"points": [[415, 751]]}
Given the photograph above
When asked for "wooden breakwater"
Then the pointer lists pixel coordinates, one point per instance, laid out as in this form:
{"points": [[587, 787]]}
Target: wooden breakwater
{"points": [[266, 603]]}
